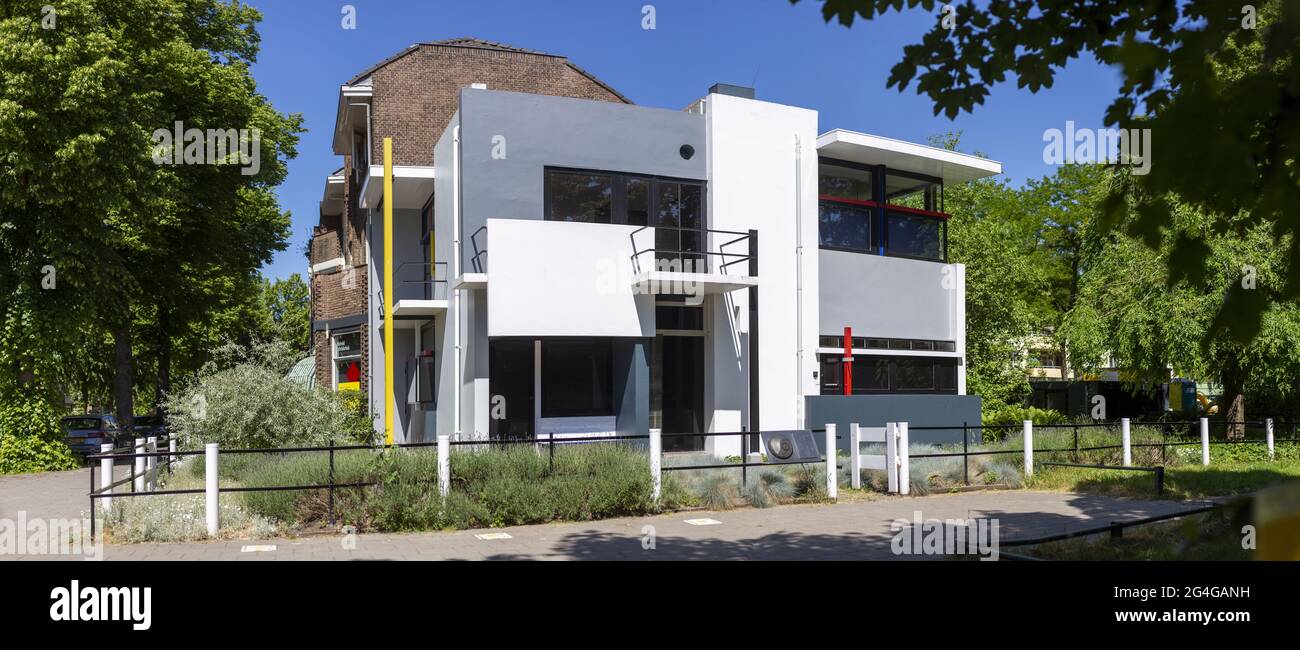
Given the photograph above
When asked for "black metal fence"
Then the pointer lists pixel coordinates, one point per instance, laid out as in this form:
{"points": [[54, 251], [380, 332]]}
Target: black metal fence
{"points": [[330, 485], [1172, 434]]}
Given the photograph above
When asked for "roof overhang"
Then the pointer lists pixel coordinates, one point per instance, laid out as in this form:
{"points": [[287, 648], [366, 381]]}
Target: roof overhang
{"points": [[331, 203], [412, 186], [351, 111], [951, 166]]}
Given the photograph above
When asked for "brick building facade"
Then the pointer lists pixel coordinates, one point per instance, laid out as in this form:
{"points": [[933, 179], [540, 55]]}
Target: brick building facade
{"points": [[409, 97]]}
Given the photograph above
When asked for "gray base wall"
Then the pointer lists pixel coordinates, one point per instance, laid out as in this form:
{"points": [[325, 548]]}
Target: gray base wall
{"points": [[876, 410]]}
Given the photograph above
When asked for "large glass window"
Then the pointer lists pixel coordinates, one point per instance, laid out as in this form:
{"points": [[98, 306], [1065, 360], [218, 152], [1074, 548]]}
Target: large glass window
{"points": [[347, 360], [844, 182], [844, 226], [579, 197], [914, 235], [577, 378]]}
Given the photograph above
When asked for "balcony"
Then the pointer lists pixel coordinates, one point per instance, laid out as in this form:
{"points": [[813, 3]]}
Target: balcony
{"points": [[681, 261], [420, 294]]}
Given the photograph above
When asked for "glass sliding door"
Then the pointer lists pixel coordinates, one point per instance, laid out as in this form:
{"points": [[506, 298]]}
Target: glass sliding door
{"points": [[679, 217]]}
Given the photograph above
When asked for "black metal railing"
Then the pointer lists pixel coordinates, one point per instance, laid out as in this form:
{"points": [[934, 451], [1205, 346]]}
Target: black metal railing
{"points": [[668, 258], [1169, 437], [478, 261], [432, 281], [330, 485]]}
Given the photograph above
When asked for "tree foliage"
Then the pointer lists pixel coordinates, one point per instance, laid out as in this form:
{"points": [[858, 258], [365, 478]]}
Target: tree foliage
{"points": [[1216, 84]]}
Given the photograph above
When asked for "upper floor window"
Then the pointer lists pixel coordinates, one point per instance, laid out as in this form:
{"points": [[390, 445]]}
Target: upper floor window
{"points": [[579, 197], [872, 209], [635, 200]]}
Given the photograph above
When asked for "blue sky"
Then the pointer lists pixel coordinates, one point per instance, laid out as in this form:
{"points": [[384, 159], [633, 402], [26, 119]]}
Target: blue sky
{"points": [[787, 52]]}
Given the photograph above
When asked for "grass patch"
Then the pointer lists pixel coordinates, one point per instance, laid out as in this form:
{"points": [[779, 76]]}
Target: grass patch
{"points": [[1181, 482], [1215, 535]]}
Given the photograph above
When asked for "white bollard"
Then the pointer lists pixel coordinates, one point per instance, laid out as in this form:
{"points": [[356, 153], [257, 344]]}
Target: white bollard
{"points": [[444, 465], [891, 455], [904, 469], [1127, 441], [832, 481], [106, 476], [1029, 447], [151, 464], [1205, 441], [211, 485], [1268, 436], [171, 449], [855, 456], [139, 465], [656, 463]]}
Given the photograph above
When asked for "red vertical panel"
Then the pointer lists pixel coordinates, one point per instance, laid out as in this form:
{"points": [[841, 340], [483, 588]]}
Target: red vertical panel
{"points": [[848, 360]]}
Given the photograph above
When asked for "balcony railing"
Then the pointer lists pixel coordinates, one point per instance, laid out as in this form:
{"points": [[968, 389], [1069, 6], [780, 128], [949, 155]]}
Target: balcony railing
{"points": [[430, 285], [687, 250]]}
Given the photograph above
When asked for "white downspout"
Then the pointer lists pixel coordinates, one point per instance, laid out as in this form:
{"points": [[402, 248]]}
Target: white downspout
{"points": [[798, 276], [455, 272]]}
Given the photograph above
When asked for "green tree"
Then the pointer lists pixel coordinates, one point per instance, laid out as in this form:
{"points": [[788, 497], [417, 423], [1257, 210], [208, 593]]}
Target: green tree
{"points": [[1153, 320], [82, 193], [993, 234], [1212, 68]]}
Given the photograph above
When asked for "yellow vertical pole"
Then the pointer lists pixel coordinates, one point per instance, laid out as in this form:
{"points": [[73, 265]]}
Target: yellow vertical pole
{"points": [[388, 291]]}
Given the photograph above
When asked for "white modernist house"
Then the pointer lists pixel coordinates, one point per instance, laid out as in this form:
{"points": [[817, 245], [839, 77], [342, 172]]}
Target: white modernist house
{"points": [[589, 268]]}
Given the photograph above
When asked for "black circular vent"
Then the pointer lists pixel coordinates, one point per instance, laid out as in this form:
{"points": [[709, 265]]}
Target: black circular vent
{"points": [[687, 151]]}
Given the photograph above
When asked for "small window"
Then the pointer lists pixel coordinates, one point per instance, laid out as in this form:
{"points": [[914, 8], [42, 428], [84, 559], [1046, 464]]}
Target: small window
{"points": [[679, 318], [945, 346], [347, 361], [638, 201], [900, 344], [579, 197]]}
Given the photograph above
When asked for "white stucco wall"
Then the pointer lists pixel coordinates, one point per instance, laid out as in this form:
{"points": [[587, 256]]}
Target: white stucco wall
{"points": [[756, 180], [555, 278]]}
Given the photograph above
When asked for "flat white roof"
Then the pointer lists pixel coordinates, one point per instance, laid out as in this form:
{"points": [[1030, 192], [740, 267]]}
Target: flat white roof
{"points": [[951, 166]]}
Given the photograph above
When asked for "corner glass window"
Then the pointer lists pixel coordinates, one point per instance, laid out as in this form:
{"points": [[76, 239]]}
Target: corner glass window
{"points": [[844, 183], [579, 197], [844, 226], [914, 235]]}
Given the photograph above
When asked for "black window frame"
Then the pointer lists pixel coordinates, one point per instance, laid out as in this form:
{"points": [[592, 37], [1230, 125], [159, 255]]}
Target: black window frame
{"points": [[880, 207], [831, 369], [618, 193]]}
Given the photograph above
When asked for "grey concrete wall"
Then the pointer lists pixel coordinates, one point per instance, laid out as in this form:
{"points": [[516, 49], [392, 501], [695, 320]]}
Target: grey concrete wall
{"points": [[916, 410], [883, 296], [541, 131]]}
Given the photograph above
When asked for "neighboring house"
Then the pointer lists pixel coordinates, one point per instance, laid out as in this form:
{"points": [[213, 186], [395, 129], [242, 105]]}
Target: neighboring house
{"points": [[409, 97], [570, 267]]}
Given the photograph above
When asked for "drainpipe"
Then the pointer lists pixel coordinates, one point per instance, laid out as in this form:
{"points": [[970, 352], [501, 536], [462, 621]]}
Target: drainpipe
{"points": [[798, 278], [455, 272]]}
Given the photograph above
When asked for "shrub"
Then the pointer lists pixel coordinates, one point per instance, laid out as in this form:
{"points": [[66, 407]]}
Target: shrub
{"points": [[496, 487], [34, 453], [250, 404], [31, 440], [28, 417], [769, 488]]}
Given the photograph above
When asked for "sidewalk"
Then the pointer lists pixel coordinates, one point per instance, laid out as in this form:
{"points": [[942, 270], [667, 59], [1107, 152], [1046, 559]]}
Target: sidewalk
{"points": [[845, 531]]}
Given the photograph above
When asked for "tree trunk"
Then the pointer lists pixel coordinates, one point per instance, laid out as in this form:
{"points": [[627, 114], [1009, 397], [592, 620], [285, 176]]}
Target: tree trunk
{"points": [[123, 377], [164, 385], [1233, 388]]}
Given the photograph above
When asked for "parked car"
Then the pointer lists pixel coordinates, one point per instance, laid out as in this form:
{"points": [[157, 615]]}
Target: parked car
{"points": [[85, 433], [151, 425]]}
